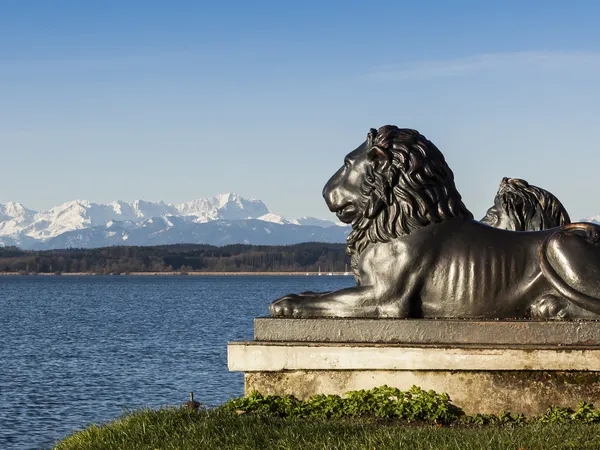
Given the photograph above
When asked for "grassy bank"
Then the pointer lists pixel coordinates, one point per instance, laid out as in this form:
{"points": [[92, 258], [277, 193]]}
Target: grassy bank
{"points": [[379, 418], [221, 429]]}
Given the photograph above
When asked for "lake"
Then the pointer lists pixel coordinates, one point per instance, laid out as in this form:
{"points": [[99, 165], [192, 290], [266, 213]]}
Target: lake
{"points": [[81, 350]]}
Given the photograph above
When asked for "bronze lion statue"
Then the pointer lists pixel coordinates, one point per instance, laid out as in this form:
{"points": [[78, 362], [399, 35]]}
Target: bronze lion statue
{"points": [[417, 252], [520, 206]]}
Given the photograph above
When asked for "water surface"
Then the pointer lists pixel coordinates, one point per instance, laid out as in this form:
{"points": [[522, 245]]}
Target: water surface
{"points": [[80, 350]]}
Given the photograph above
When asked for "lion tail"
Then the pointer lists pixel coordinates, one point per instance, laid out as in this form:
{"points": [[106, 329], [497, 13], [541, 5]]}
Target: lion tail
{"points": [[570, 261]]}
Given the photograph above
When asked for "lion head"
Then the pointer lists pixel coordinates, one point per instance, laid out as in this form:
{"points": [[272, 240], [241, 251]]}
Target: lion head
{"points": [[393, 183], [520, 206]]}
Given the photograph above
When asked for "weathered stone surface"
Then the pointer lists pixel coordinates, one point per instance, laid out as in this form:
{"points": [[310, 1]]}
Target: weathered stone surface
{"points": [[429, 331], [529, 392], [485, 366], [278, 356]]}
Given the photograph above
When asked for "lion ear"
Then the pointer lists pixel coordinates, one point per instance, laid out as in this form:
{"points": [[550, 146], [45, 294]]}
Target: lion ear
{"points": [[380, 156]]}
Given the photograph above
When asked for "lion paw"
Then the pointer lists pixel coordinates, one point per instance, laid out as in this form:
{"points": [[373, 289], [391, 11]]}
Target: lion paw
{"points": [[288, 306], [549, 307]]}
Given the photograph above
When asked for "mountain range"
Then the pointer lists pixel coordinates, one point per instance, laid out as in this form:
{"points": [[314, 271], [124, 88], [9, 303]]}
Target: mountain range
{"points": [[220, 220]]}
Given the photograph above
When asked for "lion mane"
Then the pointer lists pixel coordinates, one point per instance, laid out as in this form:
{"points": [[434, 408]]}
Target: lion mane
{"points": [[414, 187], [530, 208]]}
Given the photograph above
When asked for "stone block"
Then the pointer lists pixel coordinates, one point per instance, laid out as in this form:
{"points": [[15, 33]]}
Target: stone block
{"points": [[428, 331], [485, 366]]}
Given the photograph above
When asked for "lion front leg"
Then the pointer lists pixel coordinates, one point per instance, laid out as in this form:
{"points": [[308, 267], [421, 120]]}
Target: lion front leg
{"points": [[357, 301]]}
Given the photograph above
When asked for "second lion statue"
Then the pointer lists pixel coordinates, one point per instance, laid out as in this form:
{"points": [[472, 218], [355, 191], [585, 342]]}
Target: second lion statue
{"points": [[416, 251], [520, 206]]}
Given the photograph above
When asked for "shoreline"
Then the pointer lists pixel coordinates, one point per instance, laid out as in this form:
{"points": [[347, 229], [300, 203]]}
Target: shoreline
{"points": [[192, 273]]}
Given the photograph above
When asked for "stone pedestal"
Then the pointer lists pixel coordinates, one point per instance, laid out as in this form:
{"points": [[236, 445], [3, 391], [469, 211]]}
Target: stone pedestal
{"points": [[485, 367]]}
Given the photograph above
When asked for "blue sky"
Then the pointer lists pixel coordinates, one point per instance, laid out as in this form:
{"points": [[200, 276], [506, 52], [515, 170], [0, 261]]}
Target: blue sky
{"points": [[175, 100]]}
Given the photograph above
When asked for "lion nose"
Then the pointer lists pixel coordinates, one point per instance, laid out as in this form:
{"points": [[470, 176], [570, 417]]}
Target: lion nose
{"points": [[331, 188], [327, 194], [332, 197]]}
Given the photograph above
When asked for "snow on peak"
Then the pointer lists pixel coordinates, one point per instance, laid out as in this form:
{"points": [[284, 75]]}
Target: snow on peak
{"points": [[275, 218], [228, 206], [313, 221], [14, 210], [118, 206], [223, 199], [13, 217], [593, 219]]}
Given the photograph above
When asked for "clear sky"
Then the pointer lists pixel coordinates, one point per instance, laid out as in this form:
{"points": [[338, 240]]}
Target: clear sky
{"points": [[176, 100]]}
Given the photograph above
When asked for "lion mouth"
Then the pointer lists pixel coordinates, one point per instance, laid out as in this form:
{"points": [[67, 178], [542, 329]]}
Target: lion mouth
{"points": [[346, 213]]}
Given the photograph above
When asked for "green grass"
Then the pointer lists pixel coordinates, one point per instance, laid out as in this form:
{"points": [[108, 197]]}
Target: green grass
{"points": [[221, 429], [378, 418]]}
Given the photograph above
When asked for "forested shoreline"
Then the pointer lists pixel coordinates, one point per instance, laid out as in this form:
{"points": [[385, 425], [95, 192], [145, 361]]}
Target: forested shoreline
{"points": [[306, 257]]}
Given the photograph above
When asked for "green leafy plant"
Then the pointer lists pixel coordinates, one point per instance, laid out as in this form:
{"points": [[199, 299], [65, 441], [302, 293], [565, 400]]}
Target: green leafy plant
{"points": [[383, 402], [556, 414], [586, 413], [414, 405]]}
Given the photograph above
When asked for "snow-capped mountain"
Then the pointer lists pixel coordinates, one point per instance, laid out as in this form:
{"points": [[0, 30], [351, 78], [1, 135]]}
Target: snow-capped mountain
{"points": [[224, 206], [13, 218], [12, 210], [223, 219], [305, 221], [592, 219], [177, 230], [314, 222], [275, 218]]}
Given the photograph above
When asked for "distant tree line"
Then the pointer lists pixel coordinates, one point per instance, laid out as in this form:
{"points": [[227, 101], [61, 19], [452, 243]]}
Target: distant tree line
{"points": [[307, 257]]}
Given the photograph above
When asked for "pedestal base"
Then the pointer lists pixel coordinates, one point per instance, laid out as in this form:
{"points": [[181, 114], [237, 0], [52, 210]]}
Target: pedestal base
{"points": [[479, 377]]}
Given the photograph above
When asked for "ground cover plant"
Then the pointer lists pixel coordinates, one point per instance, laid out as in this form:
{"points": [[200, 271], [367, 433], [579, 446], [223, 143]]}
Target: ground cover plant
{"points": [[374, 419]]}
